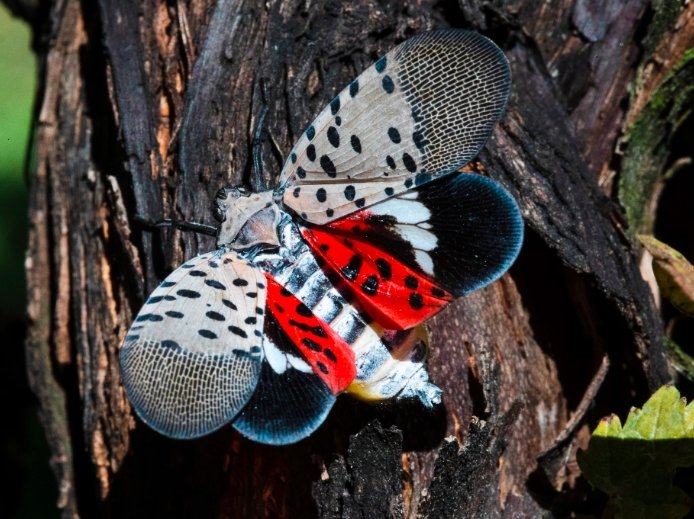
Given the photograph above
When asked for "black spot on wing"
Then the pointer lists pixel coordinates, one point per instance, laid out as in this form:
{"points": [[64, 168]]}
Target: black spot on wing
{"points": [[229, 304], [411, 282], [416, 301], [335, 105], [303, 310], [172, 345], [237, 331], [350, 192], [190, 294], [157, 299], [394, 135], [410, 164], [240, 282], [388, 84], [351, 270], [380, 65], [215, 316], [437, 292], [356, 143], [370, 286], [214, 284], [311, 152], [354, 88], [311, 344], [174, 314], [207, 334], [384, 269], [334, 137], [328, 166]]}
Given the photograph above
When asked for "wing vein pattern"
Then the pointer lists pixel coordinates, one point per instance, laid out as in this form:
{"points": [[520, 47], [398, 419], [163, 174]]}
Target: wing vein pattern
{"points": [[420, 112]]}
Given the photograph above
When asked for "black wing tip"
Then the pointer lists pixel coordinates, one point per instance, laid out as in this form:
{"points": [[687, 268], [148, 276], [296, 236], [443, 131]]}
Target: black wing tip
{"points": [[480, 230], [286, 408], [508, 245]]}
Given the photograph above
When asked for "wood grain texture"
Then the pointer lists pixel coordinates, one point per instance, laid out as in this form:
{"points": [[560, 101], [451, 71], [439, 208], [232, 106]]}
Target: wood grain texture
{"points": [[148, 108]]}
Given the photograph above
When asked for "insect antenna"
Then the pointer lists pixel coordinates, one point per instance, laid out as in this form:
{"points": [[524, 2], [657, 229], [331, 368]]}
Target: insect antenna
{"points": [[200, 228]]}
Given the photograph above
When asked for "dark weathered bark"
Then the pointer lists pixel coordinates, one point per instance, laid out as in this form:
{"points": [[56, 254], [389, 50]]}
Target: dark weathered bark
{"points": [[148, 108]]}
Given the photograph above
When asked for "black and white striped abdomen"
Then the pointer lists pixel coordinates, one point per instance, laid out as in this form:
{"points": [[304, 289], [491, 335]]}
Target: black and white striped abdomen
{"points": [[308, 282]]}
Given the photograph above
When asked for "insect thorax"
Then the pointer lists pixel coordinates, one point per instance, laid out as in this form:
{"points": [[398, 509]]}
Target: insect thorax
{"points": [[248, 220], [253, 225]]}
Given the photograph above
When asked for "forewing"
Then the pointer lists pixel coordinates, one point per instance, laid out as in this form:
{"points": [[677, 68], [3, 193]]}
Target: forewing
{"points": [[191, 360], [406, 257], [420, 112]]}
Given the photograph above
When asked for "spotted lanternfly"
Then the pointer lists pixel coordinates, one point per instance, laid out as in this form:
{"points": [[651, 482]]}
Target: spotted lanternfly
{"points": [[320, 286]]}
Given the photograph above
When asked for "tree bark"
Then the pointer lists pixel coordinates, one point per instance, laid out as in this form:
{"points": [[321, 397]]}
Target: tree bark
{"points": [[148, 108]]}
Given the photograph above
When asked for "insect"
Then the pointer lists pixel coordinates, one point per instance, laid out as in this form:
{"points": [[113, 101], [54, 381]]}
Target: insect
{"points": [[320, 286]]}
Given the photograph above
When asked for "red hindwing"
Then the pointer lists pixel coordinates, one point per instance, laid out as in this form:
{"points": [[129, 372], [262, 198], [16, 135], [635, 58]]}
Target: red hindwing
{"points": [[392, 293], [327, 353]]}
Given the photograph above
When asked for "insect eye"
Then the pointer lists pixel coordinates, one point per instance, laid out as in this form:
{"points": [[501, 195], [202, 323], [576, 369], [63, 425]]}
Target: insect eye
{"points": [[218, 214]]}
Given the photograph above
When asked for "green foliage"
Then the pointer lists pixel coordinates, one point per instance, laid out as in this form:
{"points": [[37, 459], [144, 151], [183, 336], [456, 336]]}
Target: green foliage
{"points": [[17, 86], [28, 488], [635, 464]]}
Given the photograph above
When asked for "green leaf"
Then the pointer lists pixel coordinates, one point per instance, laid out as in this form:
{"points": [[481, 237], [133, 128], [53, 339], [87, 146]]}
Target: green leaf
{"points": [[635, 463]]}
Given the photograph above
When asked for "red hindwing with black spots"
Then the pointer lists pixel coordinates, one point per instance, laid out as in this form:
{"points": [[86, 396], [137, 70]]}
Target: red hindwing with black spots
{"points": [[326, 352], [392, 293]]}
